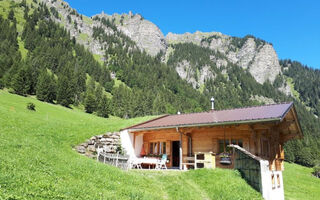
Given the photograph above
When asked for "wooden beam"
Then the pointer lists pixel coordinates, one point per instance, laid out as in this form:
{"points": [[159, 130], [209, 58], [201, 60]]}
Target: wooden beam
{"points": [[134, 140], [285, 137], [297, 123], [285, 124]]}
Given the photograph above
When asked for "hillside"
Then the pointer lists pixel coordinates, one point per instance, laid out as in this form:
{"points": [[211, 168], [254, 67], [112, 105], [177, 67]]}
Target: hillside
{"points": [[122, 65], [299, 183], [37, 161]]}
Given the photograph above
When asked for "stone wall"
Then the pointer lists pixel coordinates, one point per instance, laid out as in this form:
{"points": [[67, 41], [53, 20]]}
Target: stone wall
{"points": [[110, 142]]}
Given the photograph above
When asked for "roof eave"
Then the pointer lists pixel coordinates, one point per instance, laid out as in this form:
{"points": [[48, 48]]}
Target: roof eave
{"points": [[207, 124]]}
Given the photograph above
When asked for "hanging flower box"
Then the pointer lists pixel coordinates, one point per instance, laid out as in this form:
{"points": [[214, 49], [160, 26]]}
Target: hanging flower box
{"points": [[225, 159]]}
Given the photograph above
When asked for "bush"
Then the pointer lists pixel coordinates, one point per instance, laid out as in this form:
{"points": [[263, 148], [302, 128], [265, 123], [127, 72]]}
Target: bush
{"points": [[1, 84], [316, 171], [31, 106]]}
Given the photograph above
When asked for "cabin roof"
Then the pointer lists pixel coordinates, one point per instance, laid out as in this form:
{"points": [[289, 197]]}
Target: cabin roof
{"points": [[271, 112]]}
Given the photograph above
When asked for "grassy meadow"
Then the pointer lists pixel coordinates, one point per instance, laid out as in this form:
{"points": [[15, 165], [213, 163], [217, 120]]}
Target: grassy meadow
{"points": [[37, 162], [299, 183]]}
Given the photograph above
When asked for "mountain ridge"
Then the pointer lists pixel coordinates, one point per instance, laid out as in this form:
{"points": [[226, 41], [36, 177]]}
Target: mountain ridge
{"points": [[262, 61]]}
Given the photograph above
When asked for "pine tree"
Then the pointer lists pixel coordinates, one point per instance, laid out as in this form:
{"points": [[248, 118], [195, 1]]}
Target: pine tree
{"points": [[121, 101], [104, 107], [98, 93], [90, 103], [21, 82], [11, 15], [46, 87], [65, 88]]}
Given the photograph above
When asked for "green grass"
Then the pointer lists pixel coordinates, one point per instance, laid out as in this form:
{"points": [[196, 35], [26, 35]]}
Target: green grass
{"points": [[299, 183], [37, 161]]}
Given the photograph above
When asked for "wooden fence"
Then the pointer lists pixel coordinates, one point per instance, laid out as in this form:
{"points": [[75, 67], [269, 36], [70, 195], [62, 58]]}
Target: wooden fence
{"points": [[249, 167]]}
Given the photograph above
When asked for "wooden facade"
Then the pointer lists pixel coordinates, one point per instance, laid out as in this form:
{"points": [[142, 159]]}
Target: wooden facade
{"points": [[264, 139]]}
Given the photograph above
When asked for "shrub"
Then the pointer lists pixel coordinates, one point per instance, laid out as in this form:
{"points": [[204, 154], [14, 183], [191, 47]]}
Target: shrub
{"points": [[1, 84], [31, 106], [316, 171]]}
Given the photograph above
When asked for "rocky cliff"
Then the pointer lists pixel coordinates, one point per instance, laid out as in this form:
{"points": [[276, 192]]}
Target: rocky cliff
{"points": [[145, 34], [249, 53], [258, 56]]}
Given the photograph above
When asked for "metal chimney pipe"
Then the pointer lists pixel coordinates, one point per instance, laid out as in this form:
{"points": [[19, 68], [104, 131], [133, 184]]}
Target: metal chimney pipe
{"points": [[212, 103]]}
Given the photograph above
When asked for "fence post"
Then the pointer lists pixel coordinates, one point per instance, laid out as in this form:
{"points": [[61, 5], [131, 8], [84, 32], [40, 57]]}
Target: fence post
{"points": [[117, 159]]}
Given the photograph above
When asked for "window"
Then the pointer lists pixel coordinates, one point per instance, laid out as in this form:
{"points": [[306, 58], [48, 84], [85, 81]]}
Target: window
{"points": [[151, 148], [240, 143], [157, 148], [162, 148], [237, 142], [223, 144], [227, 149]]}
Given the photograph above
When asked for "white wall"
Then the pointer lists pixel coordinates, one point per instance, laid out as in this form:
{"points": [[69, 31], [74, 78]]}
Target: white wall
{"points": [[138, 145], [127, 142], [268, 192]]}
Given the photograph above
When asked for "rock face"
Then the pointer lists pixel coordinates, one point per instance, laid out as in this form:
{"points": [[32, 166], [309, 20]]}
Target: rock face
{"points": [[198, 78], [249, 53], [265, 65], [147, 35], [110, 142], [79, 26]]}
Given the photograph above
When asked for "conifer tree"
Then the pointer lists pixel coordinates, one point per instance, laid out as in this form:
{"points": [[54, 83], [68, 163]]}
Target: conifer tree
{"points": [[21, 82], [103, 107], [11, 15], [98, 93], [46, 87], [90, 103], [65, 87]]}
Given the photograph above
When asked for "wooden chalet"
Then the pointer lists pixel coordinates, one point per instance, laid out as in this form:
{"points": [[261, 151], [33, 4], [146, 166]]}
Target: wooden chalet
{"points": [[248, 139], [261, 130]]}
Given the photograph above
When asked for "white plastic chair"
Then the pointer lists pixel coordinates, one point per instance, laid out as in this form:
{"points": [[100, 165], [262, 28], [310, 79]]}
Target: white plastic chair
{"points": [[162, 163], [135, 163]]}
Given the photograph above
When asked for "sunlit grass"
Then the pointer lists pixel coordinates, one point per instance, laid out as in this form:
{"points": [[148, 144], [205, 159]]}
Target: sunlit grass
{"points": [[299, 183], [37, 161]]}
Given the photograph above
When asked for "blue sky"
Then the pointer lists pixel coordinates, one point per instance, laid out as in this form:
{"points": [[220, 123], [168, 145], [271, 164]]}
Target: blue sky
{"points": [[293, 27]]}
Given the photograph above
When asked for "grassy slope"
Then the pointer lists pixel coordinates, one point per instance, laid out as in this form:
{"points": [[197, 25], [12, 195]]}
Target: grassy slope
{"points": [[37, 161], [299, 183]]}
